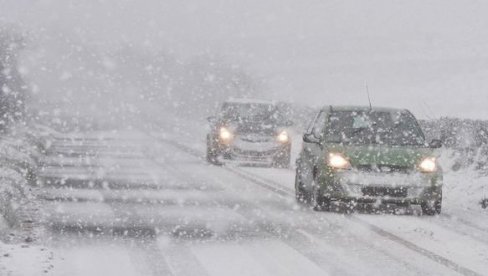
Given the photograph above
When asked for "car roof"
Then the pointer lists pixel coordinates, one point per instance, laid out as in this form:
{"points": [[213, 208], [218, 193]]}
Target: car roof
{"points": [[362, 108], [248, 101]]}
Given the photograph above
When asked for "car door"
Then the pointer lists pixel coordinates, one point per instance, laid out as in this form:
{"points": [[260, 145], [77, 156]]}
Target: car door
{"points": [[312, 149]]}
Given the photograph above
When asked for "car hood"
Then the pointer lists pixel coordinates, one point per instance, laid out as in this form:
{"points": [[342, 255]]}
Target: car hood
{"points": [[400, 156], [243, 128]]}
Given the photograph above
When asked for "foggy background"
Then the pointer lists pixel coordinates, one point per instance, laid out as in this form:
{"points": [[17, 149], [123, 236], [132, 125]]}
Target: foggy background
{"points": [[117, 58]]}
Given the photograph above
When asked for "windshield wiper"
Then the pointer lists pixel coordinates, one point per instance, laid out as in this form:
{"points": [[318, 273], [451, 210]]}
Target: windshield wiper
{"points": [[358, 130]]}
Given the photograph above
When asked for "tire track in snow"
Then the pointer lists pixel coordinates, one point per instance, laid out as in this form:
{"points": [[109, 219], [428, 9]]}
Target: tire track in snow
{"points": [[317, 256], [146, 255], [478, 234], [248, 210], [149, 258], [465, 222], [181, 260], [307, 234], [275, 187], [426, 253]]}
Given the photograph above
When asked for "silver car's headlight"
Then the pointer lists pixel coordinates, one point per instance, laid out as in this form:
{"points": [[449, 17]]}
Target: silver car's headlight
{"points": [[225, 134]]}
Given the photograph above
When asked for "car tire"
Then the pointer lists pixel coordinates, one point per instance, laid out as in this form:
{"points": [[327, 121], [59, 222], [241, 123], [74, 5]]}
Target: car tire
{"points": [[432, 208], [318, 201], [301, 196], [484, 203], [283, 160], [211, 157], [212, 154]]}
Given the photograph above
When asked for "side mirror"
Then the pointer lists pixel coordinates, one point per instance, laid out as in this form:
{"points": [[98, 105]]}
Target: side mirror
{"points": [[435, 144], [310, 138], [484, 203], [289, 123], [211, 119]]}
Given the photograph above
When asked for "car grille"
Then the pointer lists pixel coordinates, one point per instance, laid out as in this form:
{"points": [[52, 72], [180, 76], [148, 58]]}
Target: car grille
{"points": [[256, 139], [383, 168], [385, 191], [252, 153]]}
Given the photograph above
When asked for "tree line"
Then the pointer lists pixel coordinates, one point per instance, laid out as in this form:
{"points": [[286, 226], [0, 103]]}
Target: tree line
{"points": [[13, 89]]}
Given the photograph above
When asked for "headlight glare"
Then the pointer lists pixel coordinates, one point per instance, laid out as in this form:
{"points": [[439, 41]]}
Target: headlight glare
{"points": [[283, 137], [428, 165], [337, 161], [225, 134]]}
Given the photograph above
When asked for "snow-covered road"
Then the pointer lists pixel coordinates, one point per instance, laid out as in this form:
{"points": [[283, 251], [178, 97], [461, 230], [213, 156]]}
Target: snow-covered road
{"points": [[135, 203]]}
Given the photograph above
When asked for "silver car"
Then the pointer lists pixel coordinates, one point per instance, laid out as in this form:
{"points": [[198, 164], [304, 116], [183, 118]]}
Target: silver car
{"points": [[249, 131]]}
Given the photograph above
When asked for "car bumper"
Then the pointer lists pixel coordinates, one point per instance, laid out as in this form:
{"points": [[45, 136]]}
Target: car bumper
{"points": [[401, 188], [255, 152]]}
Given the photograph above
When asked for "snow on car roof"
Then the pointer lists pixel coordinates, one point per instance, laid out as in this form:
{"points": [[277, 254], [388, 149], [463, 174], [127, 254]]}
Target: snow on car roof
{"points": [[363, 108], [248, 101]]}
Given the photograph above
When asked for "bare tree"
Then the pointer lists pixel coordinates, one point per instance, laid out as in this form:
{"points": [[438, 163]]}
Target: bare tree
{"points": [[12, 86]]}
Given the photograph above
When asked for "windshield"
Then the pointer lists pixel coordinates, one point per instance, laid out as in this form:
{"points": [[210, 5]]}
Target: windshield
{"points": [[251, 112], [374, 127]]}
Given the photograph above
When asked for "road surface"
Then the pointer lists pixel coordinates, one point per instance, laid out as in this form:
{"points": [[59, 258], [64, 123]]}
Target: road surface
{"points": [[138, 203]]}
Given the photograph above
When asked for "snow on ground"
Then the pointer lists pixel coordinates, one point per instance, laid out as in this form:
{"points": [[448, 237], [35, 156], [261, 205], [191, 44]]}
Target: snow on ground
{"points": [[462, 224], [24, 258], [19, 252], [210, 221], [464, 190], [16, 166]]}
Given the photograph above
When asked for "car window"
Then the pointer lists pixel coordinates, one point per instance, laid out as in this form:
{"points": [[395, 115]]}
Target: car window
{"points": [[251, 112], [319, 125], [374, 127], [312, 123]]}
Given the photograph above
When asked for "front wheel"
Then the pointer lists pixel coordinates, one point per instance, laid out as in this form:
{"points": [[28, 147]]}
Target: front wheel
{"points": [[432, 207], [301, 195], [317, 200], [212, 154], [282, 160]]}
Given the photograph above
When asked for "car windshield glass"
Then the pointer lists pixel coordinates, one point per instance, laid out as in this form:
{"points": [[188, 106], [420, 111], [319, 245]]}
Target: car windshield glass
{"points": [[251, 112], [374, 127]]}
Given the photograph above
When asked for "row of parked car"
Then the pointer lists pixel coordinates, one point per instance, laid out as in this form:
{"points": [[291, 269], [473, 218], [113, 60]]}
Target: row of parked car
{"points": [[351, 156]]}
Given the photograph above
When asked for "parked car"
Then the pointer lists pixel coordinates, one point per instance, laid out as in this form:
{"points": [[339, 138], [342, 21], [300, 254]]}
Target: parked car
{"points": [[250, 131], [360, 155]]}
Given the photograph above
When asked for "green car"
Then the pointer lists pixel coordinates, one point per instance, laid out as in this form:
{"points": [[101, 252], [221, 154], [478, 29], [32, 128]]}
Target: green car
{"points": [[355, 156]]}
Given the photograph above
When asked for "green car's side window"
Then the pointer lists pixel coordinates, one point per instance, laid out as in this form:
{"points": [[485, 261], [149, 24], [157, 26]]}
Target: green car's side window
{"points": [[312, 124], [319, 125]]}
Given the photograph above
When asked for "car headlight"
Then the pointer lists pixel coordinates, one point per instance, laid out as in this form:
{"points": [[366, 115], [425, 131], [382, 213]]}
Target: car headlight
{"points": [[283, 137], [428, 165], [225, 134], [337, 161]]}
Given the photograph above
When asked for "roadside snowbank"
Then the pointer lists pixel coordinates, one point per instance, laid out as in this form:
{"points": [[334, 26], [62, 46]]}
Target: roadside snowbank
{"points": [[24, 258], [464, 190], [466, 185], [20, 151], [18, 168]]}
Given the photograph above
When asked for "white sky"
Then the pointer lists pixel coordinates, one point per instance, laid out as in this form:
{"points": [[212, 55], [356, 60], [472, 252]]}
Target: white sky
{"points": [[426, 55]]}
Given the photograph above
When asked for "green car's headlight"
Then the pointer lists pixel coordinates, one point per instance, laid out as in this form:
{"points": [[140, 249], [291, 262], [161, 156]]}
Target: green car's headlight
{"points": [[337, 161], [428, 165]]}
